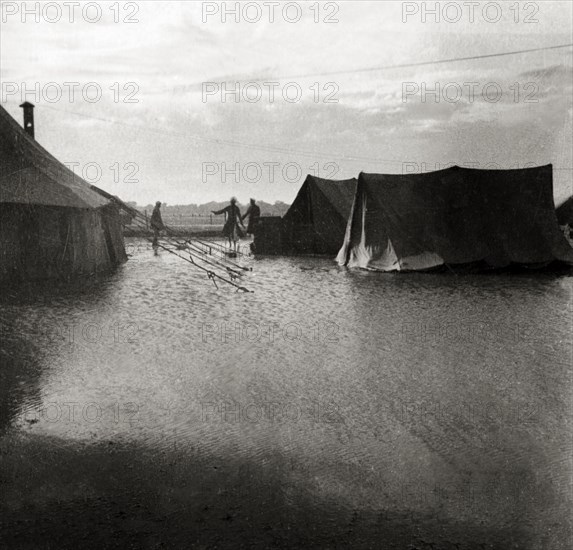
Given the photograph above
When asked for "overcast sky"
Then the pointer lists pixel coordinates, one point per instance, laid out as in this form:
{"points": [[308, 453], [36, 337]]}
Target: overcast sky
{"points": [[171, 144]]}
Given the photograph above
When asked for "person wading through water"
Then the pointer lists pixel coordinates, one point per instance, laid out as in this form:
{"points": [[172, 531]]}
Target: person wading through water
{"points": [[254, 213], [156, 224], [231, 229]]}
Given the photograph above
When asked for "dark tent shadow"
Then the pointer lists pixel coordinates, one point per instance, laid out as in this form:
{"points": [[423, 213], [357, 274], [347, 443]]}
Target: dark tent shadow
{"points": [[116, 495]]}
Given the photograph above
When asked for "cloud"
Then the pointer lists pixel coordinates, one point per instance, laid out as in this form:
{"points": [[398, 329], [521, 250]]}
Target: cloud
{"points": [[171, 131]]}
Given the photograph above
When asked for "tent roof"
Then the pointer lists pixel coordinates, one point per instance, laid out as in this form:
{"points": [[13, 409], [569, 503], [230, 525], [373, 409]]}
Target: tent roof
{"points": [[340, 193], [31, 175], [316, 221]]}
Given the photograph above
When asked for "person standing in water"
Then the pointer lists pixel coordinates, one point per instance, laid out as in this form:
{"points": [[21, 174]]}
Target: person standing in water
{"points": [[156, 223], [231, 229], [254, 213]]}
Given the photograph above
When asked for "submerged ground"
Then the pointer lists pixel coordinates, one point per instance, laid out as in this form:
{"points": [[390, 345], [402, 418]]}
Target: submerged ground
{"points": [[331, 408]]}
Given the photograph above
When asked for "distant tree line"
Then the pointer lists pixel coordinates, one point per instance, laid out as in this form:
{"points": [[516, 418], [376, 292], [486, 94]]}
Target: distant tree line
{"points": [[279, 208]]}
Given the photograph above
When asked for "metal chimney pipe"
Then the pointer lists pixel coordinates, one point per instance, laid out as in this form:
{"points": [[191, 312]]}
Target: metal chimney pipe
{"points": [[28, 118]]}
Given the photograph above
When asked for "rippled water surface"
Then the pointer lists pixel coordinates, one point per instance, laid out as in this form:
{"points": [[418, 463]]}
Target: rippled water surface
{"points": [[328, 408]]}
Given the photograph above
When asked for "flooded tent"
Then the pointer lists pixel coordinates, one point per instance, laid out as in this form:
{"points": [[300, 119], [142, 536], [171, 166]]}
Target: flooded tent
{"points": [[316, 221], [565, 212], [52, 223], [457, 216]]}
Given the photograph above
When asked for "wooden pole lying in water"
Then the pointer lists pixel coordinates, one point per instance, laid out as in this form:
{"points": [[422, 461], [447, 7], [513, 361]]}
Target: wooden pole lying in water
{"points": [[199, 254], [211, 274]]}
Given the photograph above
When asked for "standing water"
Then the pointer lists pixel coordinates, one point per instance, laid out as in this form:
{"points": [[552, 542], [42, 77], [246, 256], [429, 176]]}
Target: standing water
{"points": [[329, 408]]}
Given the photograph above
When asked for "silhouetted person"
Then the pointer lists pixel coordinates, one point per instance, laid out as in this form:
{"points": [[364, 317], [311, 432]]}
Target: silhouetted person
{"points": [[156, 224], [231, 229], [254, 213]]}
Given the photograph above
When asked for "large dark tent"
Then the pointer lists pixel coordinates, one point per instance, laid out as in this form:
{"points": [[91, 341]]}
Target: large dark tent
{"points": [[492, 218], [316, 221], [52, 223]]}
